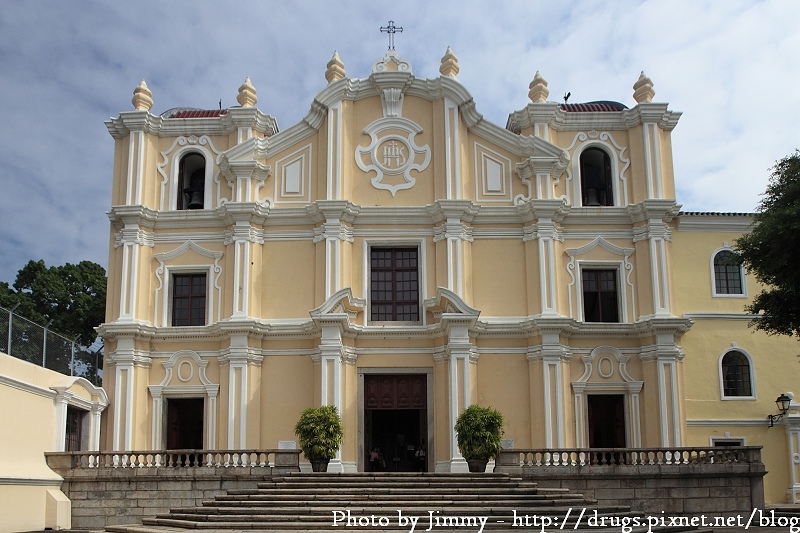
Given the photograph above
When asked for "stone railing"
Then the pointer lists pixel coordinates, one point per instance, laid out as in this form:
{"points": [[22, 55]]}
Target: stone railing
{"points": [[123, 487], [286, 460], [621, 457], [675, 480]]}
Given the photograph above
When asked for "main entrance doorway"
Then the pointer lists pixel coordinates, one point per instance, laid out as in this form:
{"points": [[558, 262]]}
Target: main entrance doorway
{"points": [[395, 422], [185, 423], [606, 414]]}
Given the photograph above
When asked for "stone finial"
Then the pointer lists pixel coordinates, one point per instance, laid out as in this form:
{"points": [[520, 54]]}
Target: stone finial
{"points": [[643, 89], [142, 98], [335, 70], [449, 66], [247, 94], [538, 89]]}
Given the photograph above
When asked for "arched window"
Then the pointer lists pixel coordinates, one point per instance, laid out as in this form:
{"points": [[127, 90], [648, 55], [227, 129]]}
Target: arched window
{"points": [[596, 178], [728, 273], [736, 375], [191, 181]]}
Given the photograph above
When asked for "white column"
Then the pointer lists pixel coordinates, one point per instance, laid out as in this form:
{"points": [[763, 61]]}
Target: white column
{"points": [[660, 276], [792, 424], [211, 417], [157, 419], [334, 166], [462, 355], [332, 377], [452, 161], [666, 357], [551, 355], [125, 359], [94, 427], [61, 402], [241, 268], [239, 358], [652, 160]]}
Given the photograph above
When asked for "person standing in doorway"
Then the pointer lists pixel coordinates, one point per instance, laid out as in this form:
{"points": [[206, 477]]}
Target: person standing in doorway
{"points": [[421, 455], [375, 459]]}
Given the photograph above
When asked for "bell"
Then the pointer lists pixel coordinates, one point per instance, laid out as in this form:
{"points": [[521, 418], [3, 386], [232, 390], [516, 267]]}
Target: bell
{"points": [[195, 198], [196, 191], [591, 197]]}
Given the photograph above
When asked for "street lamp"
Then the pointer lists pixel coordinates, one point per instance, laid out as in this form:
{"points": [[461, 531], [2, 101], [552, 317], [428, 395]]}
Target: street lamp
{"points": [[782, 402]]}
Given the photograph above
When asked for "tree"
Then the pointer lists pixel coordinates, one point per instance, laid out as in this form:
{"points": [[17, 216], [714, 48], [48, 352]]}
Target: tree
{"points": [[772, 251], [70, 298]]}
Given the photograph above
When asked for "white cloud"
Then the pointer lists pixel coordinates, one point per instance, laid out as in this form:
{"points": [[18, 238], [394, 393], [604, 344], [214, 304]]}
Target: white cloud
{"points": [[69, 66]]}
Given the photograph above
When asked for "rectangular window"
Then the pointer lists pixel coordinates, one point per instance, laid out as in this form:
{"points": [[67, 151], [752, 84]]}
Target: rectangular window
{"points": [[394, 285], [728, 273], [189, 300], [600, 296], [728, 279], [727, 441], [72, 441]]}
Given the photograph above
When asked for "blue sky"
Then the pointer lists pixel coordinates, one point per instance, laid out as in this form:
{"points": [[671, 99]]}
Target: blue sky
{"points": [[66, 67]]}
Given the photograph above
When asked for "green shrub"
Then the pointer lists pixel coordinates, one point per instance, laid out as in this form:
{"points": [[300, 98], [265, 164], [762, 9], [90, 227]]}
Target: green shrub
{"points": [[478, 432], [320, 432]]}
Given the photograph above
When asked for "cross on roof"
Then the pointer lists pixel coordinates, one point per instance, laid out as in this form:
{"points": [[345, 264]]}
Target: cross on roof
{"points": [[391, 29]]}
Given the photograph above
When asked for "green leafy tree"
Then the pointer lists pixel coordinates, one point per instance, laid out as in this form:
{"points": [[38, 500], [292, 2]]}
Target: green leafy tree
{"points": [[771, 251], [70, 298]]}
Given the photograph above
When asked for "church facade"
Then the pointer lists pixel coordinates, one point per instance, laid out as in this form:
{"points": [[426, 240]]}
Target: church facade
{"points": [[400, 257]]}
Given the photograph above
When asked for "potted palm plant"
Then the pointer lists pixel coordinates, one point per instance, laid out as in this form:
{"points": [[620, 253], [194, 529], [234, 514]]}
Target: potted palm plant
{"points": [[320, 433], [478, 434]]}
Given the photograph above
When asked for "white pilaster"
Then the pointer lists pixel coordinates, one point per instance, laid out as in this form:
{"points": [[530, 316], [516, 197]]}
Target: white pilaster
{"points": [[239, 357], [666, 357], [334, 167], [462, 355], [551, 354], [792, 424], [452, 143], [61, 402], [331, 359], [455, 231]]}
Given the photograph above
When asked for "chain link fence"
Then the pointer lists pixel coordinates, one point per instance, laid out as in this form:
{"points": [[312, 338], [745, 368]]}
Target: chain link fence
{"points": [[32, 342]]}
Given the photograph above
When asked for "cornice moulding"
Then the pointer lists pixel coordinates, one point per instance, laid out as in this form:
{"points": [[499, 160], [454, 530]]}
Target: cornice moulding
{"points": [[129, 121], [560, 120], [703, 315], [721, 222]]}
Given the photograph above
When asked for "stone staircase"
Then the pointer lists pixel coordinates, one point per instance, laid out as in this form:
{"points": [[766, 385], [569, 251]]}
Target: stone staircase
{"points": [[782, 515], [408, 502]]}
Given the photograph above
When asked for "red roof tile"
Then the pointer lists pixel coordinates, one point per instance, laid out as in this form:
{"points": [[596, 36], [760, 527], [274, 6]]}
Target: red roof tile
{"points": [[198, 113], [593, 107]]}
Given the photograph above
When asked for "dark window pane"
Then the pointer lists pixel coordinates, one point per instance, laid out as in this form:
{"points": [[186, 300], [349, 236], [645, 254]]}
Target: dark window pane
{"points": [[72, 442], [394, 287], [596, 178], [600, 300], [727, 273], [736, 374], [189, 300]]}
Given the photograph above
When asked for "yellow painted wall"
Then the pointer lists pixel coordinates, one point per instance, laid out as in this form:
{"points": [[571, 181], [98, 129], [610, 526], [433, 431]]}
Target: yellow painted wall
{"points": [[25, 478]]}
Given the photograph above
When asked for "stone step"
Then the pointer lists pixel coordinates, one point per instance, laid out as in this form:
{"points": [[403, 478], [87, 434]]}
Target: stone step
{"points": [[386, 500], [288, 528], [399, 485], [398, 491], [310, 502], [328, 513]]}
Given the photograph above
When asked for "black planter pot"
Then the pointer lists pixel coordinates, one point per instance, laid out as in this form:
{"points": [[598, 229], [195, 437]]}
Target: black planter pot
{"points": [[320, 465], [477, 465]]}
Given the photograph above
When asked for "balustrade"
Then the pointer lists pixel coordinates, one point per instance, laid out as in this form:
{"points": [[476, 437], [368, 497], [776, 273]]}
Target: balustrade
{"points": [[591, 457], [176, 459]]}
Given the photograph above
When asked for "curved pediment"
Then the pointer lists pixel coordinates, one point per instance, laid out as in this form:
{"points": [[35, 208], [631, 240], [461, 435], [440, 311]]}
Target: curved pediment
{"points": [[602, 243], [339, 303], [448, 302]]}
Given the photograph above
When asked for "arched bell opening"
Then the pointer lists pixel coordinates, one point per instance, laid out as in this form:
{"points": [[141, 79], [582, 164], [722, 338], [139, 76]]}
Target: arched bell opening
{"points": [[191, 181]]}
